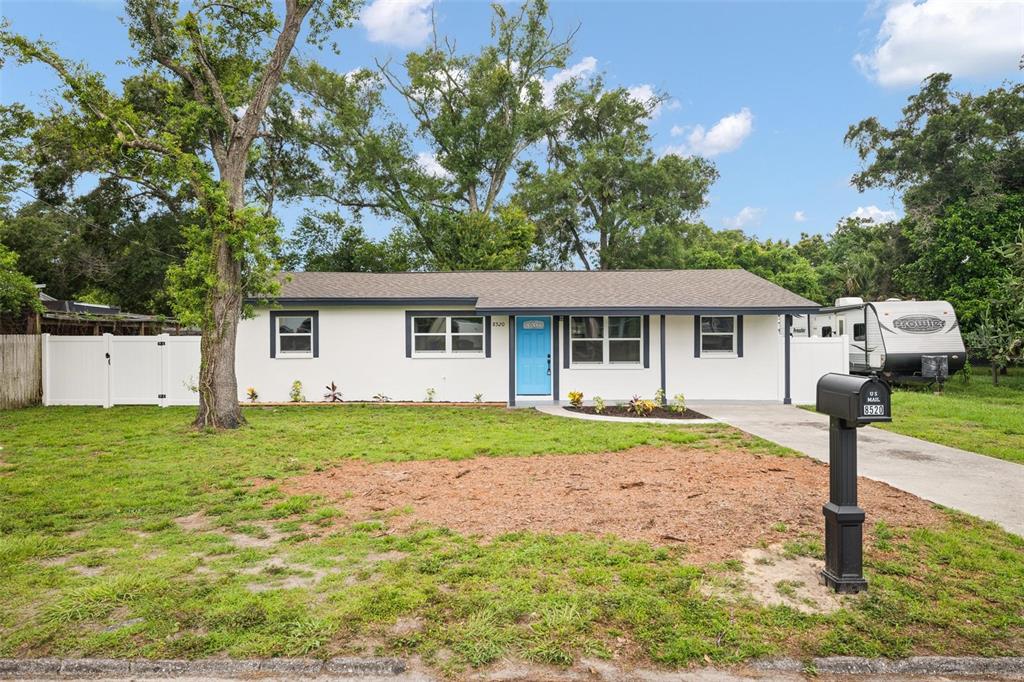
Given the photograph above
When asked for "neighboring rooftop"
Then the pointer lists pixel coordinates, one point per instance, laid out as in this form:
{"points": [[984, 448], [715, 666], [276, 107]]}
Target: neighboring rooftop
{"points": [[668, 291]]}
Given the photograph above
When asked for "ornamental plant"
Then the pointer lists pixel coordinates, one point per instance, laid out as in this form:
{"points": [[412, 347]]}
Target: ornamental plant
{"points": [[430, 395], [251, 394], [679, 403], [296, 393], [333, 395], [640, 407], [576, 398], [659, 396], [598, 404]]}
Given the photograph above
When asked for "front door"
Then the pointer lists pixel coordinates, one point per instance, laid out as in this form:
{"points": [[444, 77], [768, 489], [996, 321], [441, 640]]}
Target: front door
{"points": [[533, 356]]}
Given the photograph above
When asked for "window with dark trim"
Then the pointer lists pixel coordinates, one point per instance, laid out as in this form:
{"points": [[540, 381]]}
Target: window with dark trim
{"points": [[447, 335], [858, 331], [293, 334], [605, 339], [718, 334]]}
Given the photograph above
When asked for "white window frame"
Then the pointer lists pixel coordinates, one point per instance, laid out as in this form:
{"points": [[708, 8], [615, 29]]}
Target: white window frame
{"points": [[606, 361], [734, 353], [280, 352], [449, 343]]}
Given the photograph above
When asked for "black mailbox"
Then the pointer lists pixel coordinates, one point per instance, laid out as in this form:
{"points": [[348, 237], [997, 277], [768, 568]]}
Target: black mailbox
{"points": [[850, 402], [855, 400]]}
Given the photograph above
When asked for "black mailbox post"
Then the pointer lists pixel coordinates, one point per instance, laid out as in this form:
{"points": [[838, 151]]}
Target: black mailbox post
{"points": [[850, 402]]}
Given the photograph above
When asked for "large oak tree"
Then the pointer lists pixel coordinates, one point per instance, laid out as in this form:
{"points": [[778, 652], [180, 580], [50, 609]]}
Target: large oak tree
{"points": [[213, 71]]}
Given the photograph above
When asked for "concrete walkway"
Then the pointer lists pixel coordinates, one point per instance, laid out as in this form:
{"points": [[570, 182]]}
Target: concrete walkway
{"points": [[987, 487]]}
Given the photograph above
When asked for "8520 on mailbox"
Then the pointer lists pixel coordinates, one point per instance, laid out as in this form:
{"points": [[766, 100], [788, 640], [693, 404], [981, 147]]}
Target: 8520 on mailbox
{"points": [[850, 402]]}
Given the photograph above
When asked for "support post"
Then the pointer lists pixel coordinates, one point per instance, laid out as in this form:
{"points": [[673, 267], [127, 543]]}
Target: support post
{"points": [[511, 360], [844, 520], [786, 328], [662, 365]]}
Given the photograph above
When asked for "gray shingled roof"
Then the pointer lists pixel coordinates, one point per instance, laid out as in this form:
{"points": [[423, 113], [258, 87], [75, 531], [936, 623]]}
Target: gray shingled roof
{"points": [[647, 290]]}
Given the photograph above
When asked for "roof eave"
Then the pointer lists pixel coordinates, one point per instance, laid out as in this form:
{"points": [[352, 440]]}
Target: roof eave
{"points": [[649, 310], [378, 301]]}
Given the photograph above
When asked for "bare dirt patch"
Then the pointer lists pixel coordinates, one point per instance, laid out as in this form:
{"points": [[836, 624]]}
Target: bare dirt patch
{"points": [[715, 503], [772, 578]]}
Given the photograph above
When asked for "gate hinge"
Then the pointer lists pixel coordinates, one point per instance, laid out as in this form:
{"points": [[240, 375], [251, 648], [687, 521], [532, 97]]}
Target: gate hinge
{"points": [[162, 396], [161, 343]]}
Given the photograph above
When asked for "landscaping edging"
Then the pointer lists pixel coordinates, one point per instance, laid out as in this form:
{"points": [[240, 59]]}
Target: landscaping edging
{"points": [[210, 667], [559, 411]]}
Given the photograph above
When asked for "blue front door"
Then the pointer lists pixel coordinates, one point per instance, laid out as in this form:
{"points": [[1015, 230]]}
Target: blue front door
{"points": [[533, 355]]}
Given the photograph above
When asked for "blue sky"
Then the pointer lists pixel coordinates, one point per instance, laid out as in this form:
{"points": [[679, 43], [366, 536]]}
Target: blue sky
{"points": [[765, 89]]}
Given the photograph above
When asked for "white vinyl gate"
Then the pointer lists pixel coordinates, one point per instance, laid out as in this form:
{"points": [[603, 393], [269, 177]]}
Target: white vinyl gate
{"points": [[120, 370]]}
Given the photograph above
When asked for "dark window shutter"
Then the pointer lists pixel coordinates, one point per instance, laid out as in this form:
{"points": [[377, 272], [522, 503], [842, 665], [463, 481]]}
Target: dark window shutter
{"points": [[696, 336], [567, 341], [273, 336], [739, 336], [647, 341]]}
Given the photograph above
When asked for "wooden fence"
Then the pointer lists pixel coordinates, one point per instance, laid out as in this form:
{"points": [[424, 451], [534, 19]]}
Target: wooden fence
{"points": [[20, 370]]}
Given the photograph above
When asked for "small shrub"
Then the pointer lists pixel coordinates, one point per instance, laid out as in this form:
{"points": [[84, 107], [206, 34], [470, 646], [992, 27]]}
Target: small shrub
{"points": [[333, 395], [430, 395], [381, 398], [598, 404], [640, 407], [478, 397], [679, 403], [296, 393], [576, 398], [251, 394], [659, 396]]}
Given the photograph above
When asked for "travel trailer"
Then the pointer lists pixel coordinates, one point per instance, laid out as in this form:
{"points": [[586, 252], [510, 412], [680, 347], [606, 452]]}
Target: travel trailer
{"points": [[895, 339]]}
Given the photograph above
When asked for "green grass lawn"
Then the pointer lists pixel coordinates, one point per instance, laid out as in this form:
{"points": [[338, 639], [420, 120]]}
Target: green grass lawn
{"points": [[974, 416], [94, 563]]}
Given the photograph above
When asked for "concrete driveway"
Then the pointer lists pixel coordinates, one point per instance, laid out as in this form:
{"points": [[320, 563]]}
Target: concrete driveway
{"points": [[987, 487]]}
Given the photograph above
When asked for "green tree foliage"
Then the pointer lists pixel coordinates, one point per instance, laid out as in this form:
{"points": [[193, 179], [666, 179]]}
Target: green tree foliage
{"points": [[209, 75], [104, 245], [477, 114], [962, 255], [948, 146], [327, 243], [604, 189], [859, 258], [958, 160], [17, 291]]}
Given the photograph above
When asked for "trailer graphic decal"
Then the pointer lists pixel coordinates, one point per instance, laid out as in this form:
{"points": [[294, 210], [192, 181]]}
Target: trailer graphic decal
{"points": [[919, 324]]}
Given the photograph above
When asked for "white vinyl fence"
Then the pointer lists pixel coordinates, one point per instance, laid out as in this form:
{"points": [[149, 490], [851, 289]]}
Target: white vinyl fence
{"points": [[810, 358], [120, 370]]}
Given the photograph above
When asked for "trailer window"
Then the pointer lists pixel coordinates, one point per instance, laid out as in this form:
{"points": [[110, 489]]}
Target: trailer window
{"points": [[858, 331]]}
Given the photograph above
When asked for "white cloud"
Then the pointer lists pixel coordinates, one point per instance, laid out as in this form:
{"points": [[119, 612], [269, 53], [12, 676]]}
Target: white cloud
{"points": [[643, 94], [748, 216], [874, 214], [676, 131], [725, 136], [917, 39], [799, 216], [428, 162], [584, 67], [405, 23]]}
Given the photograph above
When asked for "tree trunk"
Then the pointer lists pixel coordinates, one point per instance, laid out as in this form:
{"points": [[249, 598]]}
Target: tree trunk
{"points": [[218, 387], [995, 375]]}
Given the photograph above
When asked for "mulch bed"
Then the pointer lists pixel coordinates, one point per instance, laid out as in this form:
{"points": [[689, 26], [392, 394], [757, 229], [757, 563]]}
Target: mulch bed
{"points": [[715, 503], [622, 411]]}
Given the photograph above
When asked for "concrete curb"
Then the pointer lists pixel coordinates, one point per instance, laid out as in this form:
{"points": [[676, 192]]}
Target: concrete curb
{"points": [[1006, 667], [210, 667]]}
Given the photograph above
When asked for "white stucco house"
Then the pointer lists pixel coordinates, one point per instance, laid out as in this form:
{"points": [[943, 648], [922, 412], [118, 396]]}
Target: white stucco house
{"points": [[522, 337]]}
